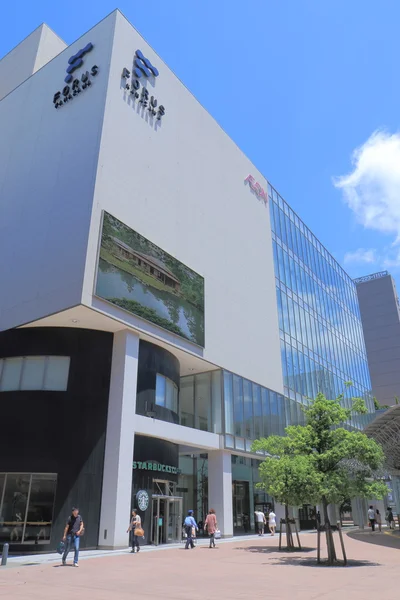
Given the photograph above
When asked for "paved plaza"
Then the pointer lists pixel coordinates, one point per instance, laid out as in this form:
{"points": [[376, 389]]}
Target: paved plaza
{"points": [[245, 568]]}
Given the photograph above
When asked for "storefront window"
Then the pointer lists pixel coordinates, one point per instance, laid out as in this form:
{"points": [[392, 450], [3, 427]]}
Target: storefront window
{"points": [[166, 393], [26, 507], [228, 402], [186, 401], [160, 390], [257, 411], [248, 410], [238, 412], [40, 508], [203, 401], [216, 395]]}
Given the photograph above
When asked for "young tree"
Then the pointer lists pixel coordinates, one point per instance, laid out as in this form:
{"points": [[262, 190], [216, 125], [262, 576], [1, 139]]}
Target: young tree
{"points": [[342, 462], [286, 475]]}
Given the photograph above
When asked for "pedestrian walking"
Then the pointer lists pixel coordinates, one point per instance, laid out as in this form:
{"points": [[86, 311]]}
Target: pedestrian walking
{"points": [[190, 528], [371, 517], [135, 530], [272, 522], [390, 518], [211, 526], [74, 528], [378, 519], [260, 521]]}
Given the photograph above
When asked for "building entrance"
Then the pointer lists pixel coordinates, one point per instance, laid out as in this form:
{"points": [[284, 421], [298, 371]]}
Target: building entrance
{"points": [[166, 523]]}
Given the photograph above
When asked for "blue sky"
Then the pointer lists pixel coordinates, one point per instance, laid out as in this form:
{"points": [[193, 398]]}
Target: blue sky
{"points": [[308, 89]]}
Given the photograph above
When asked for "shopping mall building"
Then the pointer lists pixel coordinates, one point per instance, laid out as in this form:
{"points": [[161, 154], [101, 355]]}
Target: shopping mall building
{"points": [[161, 305]]}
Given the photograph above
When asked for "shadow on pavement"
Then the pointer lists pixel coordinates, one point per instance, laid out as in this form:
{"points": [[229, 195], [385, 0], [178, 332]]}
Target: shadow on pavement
{"points": [[299, 561], [378, 539], [274, 550]]}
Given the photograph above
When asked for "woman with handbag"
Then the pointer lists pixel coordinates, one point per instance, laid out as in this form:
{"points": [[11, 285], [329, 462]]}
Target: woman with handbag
{"points": [[136, 531], [211, 526]]}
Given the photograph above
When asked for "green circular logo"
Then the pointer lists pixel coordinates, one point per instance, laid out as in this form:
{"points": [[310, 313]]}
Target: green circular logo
{"points": [[142, 499]]}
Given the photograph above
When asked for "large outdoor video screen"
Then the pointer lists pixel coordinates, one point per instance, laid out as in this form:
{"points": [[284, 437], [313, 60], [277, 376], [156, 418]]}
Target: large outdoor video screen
{"points": [[140, 277]]}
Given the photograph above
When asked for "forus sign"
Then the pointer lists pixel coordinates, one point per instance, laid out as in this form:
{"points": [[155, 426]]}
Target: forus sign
{"points": [[134, 81], [75, 84]]}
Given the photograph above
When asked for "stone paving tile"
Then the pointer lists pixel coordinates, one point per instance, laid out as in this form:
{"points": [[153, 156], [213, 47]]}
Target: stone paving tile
{"points": [[251, 568]]}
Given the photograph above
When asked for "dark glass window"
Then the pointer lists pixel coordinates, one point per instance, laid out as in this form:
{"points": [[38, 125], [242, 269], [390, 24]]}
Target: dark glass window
{"points": [[26, 507]]}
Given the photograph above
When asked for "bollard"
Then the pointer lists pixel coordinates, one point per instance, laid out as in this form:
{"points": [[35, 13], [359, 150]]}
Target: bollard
{"points": [[4, 555]]}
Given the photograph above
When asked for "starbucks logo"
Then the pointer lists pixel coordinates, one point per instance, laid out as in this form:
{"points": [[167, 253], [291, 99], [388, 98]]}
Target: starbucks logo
{"points": [[142, 499]]}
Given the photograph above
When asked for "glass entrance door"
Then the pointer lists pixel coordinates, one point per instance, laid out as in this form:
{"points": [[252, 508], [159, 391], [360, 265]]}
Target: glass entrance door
{"points": [[166, 520]]}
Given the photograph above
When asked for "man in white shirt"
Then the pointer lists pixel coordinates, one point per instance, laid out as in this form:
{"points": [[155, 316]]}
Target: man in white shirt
{"points": [[371, 517], [260, 521]]}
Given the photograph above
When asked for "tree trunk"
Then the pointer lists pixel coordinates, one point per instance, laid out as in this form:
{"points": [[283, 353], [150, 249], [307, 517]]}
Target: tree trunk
{"points": [[330, 544], [289, 537]]}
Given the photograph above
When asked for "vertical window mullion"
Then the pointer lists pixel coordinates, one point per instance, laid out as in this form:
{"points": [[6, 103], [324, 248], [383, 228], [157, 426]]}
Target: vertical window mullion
{"points": [[2, 495], [28, 499]]}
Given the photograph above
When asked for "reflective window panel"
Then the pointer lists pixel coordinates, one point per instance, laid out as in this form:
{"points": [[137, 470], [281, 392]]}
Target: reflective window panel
{"points": [[322, 343]]}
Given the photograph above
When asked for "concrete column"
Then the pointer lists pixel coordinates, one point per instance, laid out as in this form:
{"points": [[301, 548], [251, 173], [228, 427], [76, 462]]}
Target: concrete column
{"points": [[117, 476], [355, 511], [280, 514], [333, 513], [251, 504], [220, 489]]}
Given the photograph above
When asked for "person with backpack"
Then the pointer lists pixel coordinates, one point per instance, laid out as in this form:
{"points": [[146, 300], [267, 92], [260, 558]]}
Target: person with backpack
{"points": [[73, 530], [190, 525]]}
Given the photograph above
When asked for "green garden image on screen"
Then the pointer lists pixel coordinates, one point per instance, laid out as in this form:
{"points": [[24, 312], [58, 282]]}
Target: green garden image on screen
{"points": [[138, 276]]}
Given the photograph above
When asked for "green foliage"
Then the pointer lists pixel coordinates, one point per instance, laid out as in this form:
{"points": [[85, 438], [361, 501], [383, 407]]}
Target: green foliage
{"points": [[383, 406], [322, 461], [290, 479]]}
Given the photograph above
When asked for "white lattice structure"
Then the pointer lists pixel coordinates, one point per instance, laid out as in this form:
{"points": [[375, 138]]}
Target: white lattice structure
{"points": [[385, 429]]}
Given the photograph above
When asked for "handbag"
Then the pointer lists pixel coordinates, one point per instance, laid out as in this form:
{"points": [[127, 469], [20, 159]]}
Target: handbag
{"points": [[217, 534], [61, 547], [193, 532], [138, 531]]}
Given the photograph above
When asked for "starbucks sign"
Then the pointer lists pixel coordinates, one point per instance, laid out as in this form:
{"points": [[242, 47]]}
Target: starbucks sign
{"points": [[142, 499]]}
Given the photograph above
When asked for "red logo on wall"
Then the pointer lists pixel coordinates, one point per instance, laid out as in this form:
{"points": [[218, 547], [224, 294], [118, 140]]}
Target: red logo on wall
{"points": [[257, 189]]}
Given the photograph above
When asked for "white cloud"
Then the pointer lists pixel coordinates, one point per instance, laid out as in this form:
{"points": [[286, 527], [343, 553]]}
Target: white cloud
{"points": [[361, 256], [392, 260], [372, 188]]}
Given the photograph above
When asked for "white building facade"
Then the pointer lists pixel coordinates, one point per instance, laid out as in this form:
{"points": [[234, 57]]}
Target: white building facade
{"points": [[139, 322]]}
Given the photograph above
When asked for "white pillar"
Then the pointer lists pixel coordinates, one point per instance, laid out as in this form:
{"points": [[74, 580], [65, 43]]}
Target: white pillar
{"points": [[117, 476], [220, 489], [280, 514], [333, 513], [355, 512]]}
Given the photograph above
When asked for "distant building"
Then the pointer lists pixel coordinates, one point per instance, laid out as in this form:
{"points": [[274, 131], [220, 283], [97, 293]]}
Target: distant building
{"points": [[149, 264], [380, 315]]}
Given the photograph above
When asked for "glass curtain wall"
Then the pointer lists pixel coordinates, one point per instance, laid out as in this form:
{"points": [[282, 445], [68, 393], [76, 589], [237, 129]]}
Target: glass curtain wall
{"points": [[200, 401], [252, 411], [222, 402], [322, 343]]}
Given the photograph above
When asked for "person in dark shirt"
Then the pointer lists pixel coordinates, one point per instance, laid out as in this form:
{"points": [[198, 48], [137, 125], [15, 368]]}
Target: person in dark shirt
{"points": [[72, 532]]}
